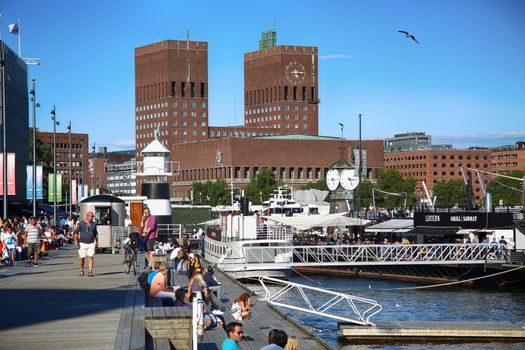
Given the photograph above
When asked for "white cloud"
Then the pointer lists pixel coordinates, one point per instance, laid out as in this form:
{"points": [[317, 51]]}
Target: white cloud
{"points": [[336, 56]]}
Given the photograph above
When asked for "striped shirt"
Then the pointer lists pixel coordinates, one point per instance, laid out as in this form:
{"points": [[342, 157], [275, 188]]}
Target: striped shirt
{"points": [[33, 235]]}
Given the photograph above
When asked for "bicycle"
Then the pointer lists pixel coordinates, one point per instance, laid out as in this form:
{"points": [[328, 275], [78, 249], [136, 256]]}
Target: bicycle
{"points": [[130, 259]]}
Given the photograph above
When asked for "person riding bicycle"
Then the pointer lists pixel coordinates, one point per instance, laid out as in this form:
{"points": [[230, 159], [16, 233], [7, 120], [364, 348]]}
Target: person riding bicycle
{"points": [[133, 240]]}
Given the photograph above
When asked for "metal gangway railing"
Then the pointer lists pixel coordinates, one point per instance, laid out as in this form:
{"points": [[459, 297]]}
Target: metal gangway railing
{"points": [[318, 301], [167, 231], [362, 255]]}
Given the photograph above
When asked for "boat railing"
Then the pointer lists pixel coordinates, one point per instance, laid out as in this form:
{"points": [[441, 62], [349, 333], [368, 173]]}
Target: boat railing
{"points": [[262, 233], [320, 302]]}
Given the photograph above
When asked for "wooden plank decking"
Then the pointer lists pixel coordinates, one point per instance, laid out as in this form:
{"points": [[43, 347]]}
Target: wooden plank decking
{"points": [[52, 307]]}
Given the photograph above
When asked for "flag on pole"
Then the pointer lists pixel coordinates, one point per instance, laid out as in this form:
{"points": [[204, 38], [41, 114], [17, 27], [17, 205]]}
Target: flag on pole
{"points": [[13, 28]]}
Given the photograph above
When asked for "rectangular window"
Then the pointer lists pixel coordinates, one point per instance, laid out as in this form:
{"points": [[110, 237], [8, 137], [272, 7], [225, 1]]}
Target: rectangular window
{"points": [[286, 93], [304, 93], [295, 93], [184, 104], [174, 113], [194, 104], [184, 113], [173, 85], [182, 89], [203, 104], [192, 84], [202, 90]]}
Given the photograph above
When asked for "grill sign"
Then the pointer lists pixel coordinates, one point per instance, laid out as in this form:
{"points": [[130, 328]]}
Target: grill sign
{"points": [[463, 220]]}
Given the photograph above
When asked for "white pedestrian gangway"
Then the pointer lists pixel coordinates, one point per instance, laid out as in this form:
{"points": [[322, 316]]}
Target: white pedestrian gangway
{"points": [[234, 258], [320, 302]]}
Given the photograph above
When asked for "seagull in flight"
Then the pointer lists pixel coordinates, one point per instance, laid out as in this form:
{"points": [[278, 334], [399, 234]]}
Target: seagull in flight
{"points": [[408, 35]]}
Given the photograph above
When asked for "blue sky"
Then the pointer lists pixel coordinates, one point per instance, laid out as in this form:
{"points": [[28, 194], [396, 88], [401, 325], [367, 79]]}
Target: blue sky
{"points": [[464, 83]]}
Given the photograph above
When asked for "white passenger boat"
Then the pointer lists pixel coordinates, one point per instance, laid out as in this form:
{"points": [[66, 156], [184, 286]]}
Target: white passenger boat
{"points": [[242, 246]]}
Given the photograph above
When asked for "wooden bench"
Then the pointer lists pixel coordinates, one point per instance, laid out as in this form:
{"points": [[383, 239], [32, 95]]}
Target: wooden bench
{"points": [[169, 322], [131, 333]]}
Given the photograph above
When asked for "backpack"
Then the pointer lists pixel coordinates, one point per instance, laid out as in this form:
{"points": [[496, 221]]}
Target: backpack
{"points": [[143, 281]]}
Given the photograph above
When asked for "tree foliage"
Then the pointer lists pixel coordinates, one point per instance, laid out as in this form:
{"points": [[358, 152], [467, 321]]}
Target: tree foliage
{"points": [[450, 193], [44, 153], [364, 192], [261, 186], [391, 180], [211, 193], [318, 185], [505, 189]]}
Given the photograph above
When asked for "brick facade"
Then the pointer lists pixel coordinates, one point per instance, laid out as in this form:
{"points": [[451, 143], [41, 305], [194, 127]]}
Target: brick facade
{"points": [[281, 89], [297, 161], [434, 166], [171, 91], [79, 154]]}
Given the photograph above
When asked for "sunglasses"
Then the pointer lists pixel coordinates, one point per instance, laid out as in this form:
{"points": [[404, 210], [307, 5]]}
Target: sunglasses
{"points": [[239, 332]]}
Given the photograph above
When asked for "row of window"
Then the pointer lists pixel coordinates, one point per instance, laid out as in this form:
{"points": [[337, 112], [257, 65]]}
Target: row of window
{"points": [[274, 117], [173, 114], [504, 165], [165, 90], [278, 93], [274, 109], [247, 172], [505, 156], [183, 104]]}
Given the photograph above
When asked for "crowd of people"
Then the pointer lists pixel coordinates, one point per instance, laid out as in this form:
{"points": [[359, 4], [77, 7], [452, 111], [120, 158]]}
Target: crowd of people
{"points": [[28, 238]]}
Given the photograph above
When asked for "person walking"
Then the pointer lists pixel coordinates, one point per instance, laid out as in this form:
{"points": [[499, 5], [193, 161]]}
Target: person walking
{"points": [[150, 234], [234, 332], [32, 241], [88, 242]]}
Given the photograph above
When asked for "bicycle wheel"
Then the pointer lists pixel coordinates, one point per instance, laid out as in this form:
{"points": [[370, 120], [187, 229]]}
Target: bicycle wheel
{"points": [[127, 262], [134, 262]]}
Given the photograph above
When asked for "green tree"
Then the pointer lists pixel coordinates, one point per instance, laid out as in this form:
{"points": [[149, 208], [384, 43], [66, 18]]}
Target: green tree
{"points": [[364, 192], [211, 193], [450, 193], [508, 190], [318, 185], [391, 180], [261, 185], [44, 153]]}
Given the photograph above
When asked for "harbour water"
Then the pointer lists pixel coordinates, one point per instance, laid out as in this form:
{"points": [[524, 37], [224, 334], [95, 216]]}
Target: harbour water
{"points": [[459, 304]]}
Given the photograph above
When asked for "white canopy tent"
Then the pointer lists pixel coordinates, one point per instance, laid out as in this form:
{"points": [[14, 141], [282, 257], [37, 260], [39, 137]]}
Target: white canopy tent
{"points": [[308, 222], [392, 225]]}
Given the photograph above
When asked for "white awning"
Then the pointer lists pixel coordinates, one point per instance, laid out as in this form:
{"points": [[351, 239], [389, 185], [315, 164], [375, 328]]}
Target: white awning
{"points": [[308, 222], [393, 225]]}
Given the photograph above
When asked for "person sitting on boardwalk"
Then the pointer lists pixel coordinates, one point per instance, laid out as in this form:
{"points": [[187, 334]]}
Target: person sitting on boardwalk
{"points": [[234, 332], [197, 287], [212, 321], [211, 281], [292, 344], [153, 272], [159, 288], [277, 340], [241, 307]]}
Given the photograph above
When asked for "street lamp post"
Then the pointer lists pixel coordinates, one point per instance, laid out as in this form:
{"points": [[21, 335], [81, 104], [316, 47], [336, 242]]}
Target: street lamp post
{"points": [[94, 171], [35, 106], [55, 123], [4, 129], [70, 168]]}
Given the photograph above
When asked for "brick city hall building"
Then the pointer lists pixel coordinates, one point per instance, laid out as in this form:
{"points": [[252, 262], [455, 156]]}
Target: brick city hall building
{"points": [[280, 128]]}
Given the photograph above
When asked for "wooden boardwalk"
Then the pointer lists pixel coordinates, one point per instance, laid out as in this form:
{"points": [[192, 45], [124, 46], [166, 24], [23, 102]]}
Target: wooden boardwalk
{"points": [[52, 307], [264, 318]]}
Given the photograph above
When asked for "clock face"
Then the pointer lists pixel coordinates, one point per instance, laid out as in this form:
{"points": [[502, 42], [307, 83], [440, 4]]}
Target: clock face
{"points": [[332, 179], [295, 72], [349, 179]]}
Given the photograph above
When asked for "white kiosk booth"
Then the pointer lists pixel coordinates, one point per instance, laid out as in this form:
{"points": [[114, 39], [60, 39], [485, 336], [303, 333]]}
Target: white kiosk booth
{"points": [[110, 211]]}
